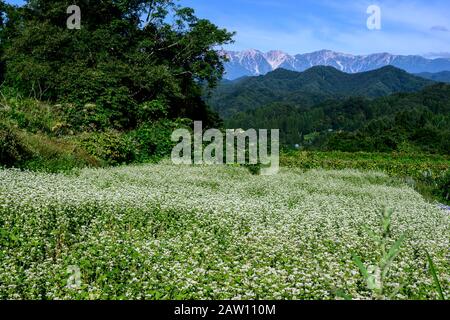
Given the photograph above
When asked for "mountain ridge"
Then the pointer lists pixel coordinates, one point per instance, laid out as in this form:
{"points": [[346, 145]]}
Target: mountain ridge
{"points": [[310, 87], [443, 76], [254, 62]]}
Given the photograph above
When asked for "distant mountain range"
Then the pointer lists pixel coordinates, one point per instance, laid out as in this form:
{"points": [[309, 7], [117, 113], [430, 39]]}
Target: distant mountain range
{"points": [[308, 88], [443, 76], [255, 63]]}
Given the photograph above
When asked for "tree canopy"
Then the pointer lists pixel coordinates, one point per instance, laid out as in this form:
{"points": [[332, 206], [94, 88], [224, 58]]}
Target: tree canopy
{"points": [[416, 121], [128, 58]]}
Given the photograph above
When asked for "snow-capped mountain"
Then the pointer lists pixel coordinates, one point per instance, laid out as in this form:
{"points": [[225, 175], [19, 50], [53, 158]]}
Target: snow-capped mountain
{"points": [[250, 62], [254, 62], [279, 59]]}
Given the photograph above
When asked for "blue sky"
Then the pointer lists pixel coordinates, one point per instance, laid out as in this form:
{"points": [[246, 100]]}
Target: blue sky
{"points": [[299, 26]]}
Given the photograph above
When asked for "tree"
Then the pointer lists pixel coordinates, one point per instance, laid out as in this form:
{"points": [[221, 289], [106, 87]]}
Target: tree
{"points": [[128, 53]]}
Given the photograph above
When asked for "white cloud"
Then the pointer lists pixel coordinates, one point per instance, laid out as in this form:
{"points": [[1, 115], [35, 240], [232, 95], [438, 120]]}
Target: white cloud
{"points": [[408, 27], [434, 55]]}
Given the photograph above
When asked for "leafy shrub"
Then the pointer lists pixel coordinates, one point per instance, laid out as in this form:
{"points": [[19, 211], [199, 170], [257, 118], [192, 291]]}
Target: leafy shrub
{"points": [[151, 111], [444, 187], [375, 275], [111, 146], [154, 139], [12, 149]]}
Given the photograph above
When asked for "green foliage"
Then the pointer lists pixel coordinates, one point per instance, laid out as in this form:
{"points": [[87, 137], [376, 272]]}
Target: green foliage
{"points": [[309, 88], [153, 140], [443, 189], [152, 111], [114, 90], [12, 149], [375, 275], [36, 151], [148, 143], [2, 26], [52, 154], [45, 137], [113, 146], [434, 274], [254, 169], [428, 174], [32, 115], [417, 122], [416, 166], [117, 62]]}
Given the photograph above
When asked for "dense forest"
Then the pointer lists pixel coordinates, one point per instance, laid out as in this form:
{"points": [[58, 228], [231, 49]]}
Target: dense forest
{"points": [[404, 121], [380, 111], [112, 91], [308, 88], [443, 76]]}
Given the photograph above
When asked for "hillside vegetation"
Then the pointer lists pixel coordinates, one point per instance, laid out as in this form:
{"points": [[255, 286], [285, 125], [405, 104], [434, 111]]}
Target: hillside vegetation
{"points": [[443, 76], [308, 88], [45, 137], [413, 122], [428, 174], [109, 93]]}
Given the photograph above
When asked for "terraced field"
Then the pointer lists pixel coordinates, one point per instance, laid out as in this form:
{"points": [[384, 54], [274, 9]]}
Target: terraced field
{"points": [[170, 232]]}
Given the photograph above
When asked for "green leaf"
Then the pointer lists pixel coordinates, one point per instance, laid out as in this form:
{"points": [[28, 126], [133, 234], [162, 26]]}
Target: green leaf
{"points": [[395, 249], [343, 295], [387, 219], [390, 256], [433, 272], [361, 266]]}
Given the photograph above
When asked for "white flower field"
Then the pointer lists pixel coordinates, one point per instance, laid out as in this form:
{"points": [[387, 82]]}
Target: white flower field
{"points": [[185, 232]]}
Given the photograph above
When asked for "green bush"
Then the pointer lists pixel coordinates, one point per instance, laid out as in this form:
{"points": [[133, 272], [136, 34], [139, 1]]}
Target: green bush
{"points": [[151, 111], [444, 187], [111, 146], [13, 151], [154, 139], [428, 174]]}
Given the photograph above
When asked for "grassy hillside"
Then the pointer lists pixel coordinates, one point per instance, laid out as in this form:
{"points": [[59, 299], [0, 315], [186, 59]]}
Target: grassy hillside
{"points": [[48, 137], [109, 93], [305, 89], [161, 232]]}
